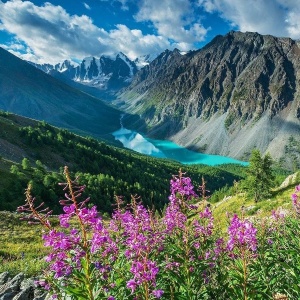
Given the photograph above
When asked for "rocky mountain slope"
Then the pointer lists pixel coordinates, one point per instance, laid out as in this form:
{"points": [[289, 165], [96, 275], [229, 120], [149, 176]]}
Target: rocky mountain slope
{"points": [[29, 92], [238, 92]]}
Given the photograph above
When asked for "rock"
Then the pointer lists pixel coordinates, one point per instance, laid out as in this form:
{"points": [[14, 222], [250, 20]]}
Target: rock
{"points": [[26, 283], [8, 296], [42, 297], [26, 294], [5, 289], [15, 283], [19, 288], [4, 277], [11, 287], [290, 180]]}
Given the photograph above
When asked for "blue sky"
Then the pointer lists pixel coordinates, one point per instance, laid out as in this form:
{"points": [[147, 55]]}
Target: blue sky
{"points": [[72, 29]]}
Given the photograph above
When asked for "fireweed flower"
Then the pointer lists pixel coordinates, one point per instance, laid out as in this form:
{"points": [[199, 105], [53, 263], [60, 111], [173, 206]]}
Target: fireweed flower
{"points": [[242, 233], [174, 218], [220, 247], [205, 225], [131, 284], [181, 191], [140, 238], [181, 187], [157, 293], [144, 271], [295, 200], [277, 215]]}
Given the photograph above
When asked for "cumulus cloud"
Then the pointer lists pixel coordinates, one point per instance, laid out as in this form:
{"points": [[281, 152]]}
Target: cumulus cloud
{"points": [[276, 17], [50, 32], [53, 35], [173, 19], [134, 43]]}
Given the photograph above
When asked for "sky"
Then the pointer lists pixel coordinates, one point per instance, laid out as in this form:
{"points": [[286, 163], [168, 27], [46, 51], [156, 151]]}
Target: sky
{"points": [[50, 32]]}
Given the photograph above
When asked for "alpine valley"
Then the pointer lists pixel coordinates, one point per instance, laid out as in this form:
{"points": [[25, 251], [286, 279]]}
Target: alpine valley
{"points": [[239, 92]]}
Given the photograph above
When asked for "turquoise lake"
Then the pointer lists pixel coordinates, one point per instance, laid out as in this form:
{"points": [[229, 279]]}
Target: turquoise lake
{"points": [[167, 149]]}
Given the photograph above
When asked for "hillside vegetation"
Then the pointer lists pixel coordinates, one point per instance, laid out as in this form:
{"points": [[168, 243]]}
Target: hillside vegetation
{"points": [[36, 152]]}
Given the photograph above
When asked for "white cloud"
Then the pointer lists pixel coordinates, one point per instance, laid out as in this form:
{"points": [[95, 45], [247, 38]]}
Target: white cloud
{"points": [[53, 35], [50, 32], [292, 19], [86, 6], [133, 43], [173, 19], [14, 46], [276, 17]]}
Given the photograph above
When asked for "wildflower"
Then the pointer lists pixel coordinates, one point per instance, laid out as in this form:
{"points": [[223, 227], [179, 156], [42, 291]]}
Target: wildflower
{"points": [[206, 226], [145, 270], [131, 284], [174, 218], [241, 233], [220, 248], [182, 186], [157, 293], [295, 200]]}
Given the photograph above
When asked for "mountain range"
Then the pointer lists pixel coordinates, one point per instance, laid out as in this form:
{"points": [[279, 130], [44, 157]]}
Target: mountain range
{"points": [[239, 92], [103, 73]]}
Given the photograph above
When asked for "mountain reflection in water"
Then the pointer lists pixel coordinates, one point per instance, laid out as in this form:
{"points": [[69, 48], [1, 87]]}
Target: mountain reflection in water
{"points": [[167, 149]]}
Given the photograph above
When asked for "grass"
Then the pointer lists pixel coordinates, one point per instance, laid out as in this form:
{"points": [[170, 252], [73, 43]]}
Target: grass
{"points": [[21, 246], [240, 204]]}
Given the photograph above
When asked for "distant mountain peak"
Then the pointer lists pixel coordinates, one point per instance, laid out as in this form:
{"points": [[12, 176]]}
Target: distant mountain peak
{"points": [[104, 72]]}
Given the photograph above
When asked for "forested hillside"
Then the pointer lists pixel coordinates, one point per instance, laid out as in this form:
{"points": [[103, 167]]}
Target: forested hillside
{"points": [[36, 152]]}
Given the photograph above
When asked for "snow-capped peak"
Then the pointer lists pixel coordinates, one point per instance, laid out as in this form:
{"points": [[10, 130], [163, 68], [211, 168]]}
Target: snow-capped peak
{"points": [[65, 65], [128, 62], [145, 60]]}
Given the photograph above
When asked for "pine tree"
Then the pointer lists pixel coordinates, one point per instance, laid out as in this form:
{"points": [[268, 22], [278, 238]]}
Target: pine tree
{"points": [[260, 178], [25, 163]]}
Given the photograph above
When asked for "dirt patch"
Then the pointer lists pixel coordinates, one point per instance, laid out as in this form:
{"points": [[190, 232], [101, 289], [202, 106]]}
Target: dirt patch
{"points": [[10, 151]]}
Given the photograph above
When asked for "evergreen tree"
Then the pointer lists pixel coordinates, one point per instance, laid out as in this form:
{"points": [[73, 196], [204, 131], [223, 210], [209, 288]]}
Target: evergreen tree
{"points": [[14, 169], [25, 163], [260, 178]]}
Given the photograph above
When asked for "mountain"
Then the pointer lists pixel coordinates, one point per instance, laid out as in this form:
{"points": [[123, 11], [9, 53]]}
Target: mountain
{"points": [[104, 73], [29, 92], [145, 60], [238, 92], [65, 66]]}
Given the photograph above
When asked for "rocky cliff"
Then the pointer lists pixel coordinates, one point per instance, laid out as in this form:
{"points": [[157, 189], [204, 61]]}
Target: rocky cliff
{"points": [[238, 92]]}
